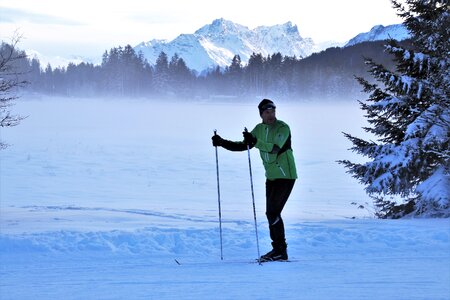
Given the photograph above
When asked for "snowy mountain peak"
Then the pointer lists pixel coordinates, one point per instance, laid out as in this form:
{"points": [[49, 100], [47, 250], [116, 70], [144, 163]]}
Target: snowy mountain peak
{"points": [[287, 28], [380, 32], [217, 43], [152, 43], [221, 27]]}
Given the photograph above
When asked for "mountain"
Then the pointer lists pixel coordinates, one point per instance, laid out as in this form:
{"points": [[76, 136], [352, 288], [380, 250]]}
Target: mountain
{"points": [[380, 32], [58, 61], [217, 43]]}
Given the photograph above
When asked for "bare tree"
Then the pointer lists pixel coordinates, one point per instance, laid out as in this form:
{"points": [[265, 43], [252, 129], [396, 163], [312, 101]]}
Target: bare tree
{"points": [[10, 80]]}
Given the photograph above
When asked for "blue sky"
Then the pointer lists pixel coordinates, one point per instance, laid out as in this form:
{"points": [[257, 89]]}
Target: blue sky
{"points": [[88, 28]]}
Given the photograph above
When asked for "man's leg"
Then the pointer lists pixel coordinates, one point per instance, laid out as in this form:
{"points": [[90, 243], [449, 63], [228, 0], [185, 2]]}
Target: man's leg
{"points": [[277, 194]]}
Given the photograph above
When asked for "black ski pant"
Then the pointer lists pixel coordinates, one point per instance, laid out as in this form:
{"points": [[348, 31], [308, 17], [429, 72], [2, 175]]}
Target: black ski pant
{"points": [[277, 193]]}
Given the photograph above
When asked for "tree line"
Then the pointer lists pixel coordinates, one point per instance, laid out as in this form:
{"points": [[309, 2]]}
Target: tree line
{"points": [[125, 73]]}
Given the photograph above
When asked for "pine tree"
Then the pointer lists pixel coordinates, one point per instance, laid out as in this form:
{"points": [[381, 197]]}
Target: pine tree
{"points": [[409, 114], [254, 73], [233, 76], [161, 79], [112, 72]]}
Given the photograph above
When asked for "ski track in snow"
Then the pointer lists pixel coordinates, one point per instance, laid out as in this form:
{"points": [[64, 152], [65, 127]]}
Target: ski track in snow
{"points": [[126, 211]]}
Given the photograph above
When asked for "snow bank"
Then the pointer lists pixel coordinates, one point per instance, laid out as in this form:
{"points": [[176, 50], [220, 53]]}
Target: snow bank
{"points": [[349, 259], [326, 237]]}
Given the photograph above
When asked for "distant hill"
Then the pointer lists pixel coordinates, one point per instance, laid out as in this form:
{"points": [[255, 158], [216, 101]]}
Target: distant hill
{"points": [[378, 33]]}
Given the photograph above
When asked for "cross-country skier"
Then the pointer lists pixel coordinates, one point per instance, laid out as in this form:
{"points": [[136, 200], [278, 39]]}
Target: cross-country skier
{"points": [[273, 139]]}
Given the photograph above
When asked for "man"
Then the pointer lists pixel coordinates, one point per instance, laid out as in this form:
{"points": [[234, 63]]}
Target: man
{"points": [[273, 139]]}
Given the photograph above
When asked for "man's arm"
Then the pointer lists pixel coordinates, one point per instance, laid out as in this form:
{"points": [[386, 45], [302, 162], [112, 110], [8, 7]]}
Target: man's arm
{"points": [[229, 145]]}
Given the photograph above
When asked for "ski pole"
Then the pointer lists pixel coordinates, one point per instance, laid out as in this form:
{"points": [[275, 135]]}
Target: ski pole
{"points": [[253, 198], [218, 199]]}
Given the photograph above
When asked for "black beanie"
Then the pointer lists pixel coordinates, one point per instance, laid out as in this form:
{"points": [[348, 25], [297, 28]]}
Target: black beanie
{"points": [[265, 104]]}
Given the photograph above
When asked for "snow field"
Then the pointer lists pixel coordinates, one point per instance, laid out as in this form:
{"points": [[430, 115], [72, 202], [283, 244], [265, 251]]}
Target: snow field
{"points": [[99, 197]]}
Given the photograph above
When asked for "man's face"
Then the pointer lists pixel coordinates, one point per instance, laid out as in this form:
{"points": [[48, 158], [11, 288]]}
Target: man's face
{"points": [[268, 116]]}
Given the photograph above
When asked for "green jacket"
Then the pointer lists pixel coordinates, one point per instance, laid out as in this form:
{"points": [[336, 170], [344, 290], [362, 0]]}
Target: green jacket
{"points": [[274, 144]]}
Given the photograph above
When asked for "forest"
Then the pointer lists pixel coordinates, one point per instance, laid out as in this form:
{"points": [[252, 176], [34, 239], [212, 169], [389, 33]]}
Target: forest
{"points": [[329, 74]]}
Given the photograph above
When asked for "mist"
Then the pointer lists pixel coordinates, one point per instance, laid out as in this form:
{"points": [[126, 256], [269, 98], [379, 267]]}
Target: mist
{"points": [[158, 156]]}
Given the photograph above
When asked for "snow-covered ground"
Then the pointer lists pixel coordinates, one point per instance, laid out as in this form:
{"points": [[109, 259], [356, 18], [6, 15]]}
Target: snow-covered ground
{"points": [[100, 199]]}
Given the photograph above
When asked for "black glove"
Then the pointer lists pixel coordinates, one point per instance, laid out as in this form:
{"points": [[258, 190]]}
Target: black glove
{"points": [[217, 140], [249, 139]]}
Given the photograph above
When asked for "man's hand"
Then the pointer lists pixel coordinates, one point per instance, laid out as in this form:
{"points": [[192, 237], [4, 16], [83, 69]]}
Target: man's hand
{"points": [[217, 140], [249, 139]]}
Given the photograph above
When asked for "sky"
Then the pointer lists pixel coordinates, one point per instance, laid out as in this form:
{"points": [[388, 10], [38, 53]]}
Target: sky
{"points": [[88, 28]]}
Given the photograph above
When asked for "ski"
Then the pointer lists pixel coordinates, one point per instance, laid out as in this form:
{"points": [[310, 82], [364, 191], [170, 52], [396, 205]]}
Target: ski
{"points": [[274, 261], [255, 261], [188, 263]]}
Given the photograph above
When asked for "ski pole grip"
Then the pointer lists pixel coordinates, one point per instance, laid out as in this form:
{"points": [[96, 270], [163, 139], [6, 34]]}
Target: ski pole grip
{"points": [[215, 131]]}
